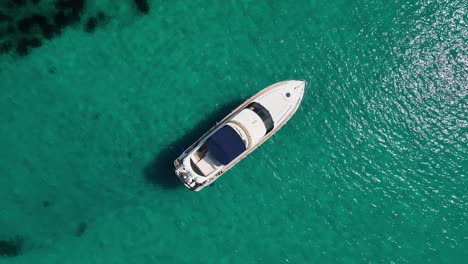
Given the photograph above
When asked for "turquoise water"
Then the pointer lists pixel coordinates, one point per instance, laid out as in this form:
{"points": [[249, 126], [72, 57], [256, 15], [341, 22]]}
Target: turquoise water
{"points": [[371, 169]]}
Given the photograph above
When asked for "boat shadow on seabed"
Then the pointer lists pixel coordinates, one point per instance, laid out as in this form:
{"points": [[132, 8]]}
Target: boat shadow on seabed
{"points": [[160, 171]]}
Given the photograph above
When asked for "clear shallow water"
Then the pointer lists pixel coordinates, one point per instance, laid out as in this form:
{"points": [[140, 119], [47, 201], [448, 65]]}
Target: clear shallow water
{"points": [[372, 168]]}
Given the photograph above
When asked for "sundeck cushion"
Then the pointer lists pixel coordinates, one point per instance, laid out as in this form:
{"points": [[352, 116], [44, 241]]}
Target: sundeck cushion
{"points": [[225, 145]]}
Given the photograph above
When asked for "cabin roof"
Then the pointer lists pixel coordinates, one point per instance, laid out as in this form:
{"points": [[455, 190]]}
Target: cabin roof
{"points": [[225, 145]]}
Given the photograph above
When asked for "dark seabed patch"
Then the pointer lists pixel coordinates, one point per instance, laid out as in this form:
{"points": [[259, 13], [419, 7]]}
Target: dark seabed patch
{"points": [[142, 6], [81, 229], [27, 24], [11, 247]]}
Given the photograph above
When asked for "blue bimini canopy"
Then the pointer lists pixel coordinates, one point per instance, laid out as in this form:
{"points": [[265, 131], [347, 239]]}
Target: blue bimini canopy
{"points": [[225, 145]]}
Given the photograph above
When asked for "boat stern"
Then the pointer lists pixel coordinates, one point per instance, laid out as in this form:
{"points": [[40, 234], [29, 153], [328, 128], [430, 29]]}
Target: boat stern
{"points": [[184, 175], [188, 177]]}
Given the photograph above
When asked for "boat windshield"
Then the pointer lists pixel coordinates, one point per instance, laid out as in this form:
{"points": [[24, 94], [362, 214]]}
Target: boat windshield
{"points": [[263, 113]]}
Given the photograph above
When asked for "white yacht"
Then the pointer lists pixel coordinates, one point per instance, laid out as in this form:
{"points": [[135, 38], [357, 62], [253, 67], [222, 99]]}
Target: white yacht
{"points": [[238, 134]]}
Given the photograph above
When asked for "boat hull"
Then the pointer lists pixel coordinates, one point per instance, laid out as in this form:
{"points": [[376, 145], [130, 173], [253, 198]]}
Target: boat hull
{"points": [[281, 119]]}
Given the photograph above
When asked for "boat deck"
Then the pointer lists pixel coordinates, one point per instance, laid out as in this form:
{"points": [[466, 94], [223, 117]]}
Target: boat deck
{"points": [[251, 148]]}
